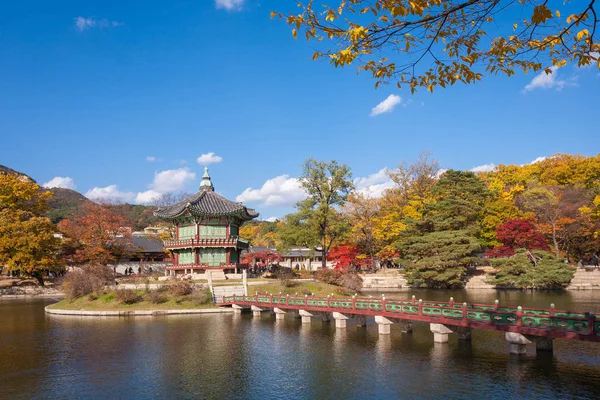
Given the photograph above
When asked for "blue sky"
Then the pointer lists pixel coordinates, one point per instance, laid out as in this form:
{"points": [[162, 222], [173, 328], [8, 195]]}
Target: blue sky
{"points": [[119, 99]]}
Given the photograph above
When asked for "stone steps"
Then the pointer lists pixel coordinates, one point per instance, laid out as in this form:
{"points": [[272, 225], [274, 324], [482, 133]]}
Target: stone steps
{"points": [[585, 280], [478, 282], [220, 291], [218, 275]]}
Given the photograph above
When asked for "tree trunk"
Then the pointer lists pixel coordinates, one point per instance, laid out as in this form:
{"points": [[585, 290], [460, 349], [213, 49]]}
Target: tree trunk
{"points": [[554, 239], [324, 258], [39, 277]]}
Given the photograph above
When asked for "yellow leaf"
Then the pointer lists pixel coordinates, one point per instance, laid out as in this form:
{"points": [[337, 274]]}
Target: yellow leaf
{"points": [[273, 14], [515, 26], [582, 33], [557, 14], [294, 33]]}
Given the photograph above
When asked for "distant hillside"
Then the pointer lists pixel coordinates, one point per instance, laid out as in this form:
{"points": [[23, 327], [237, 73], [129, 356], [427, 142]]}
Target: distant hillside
{"points": [[67, 202], [7, 170], [138, 216]]}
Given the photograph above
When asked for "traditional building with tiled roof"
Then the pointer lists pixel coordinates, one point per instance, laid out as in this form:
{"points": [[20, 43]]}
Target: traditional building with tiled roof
{"points": [[207, 229]]}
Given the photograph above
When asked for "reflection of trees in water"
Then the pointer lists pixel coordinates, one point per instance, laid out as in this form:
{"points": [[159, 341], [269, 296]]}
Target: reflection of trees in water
{"points": [[220, 356], [22, 345]]}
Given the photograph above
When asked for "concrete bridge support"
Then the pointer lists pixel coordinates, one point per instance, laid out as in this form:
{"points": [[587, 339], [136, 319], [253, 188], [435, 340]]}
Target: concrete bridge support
{"points": [[518, 343], [279, 313], [542, 343], [256, 311], [440, 332], [383, 325], [237, 309], [306, 316], [340, 320]]}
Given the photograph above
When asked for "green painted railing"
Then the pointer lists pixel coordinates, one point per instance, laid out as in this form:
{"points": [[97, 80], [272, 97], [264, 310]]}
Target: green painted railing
{"points": [[547, 319]]}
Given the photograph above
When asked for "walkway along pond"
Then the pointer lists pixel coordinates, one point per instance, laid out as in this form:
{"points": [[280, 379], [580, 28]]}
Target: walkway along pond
{"points": [[522, 325]]}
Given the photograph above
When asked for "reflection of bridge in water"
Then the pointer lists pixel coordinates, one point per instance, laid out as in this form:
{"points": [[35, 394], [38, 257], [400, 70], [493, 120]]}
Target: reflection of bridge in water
{"points": [[522, 325]]}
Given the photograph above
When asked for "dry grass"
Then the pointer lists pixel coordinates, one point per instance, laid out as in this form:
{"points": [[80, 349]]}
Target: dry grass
{"points": [[302, 288], [109, 301]]}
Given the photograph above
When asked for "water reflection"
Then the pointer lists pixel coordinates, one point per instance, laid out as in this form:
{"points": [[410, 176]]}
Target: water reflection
{"points": [[238, 356]]}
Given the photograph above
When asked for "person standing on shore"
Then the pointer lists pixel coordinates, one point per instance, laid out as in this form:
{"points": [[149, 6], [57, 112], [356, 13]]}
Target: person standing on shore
{"points": [[595, 259]]}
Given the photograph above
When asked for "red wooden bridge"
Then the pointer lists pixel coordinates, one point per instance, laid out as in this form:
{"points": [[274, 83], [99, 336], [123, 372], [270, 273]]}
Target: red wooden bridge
{"points": [[522, 325]]}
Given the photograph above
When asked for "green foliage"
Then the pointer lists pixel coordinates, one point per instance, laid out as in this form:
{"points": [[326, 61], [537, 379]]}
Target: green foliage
{"points": [[532, 270], [438, 259], [437, 250], [461, 197]]}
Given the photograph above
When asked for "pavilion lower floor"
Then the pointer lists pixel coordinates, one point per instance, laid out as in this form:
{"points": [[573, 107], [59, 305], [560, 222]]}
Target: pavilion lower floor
{"points": [[232, 268]]}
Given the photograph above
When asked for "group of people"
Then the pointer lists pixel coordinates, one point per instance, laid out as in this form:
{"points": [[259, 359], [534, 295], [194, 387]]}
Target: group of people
{"points": [[130, 271], [593, 260]]}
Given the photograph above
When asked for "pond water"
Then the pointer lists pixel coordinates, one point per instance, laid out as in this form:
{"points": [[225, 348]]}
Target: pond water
{"points": [[240, 357]]}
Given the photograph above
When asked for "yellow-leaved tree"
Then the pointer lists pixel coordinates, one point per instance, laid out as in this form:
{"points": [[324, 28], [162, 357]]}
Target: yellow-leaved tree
{"points": [[429, 43], [27, 239]]}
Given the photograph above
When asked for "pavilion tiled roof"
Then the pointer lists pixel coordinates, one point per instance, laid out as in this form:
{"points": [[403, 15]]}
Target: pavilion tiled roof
{"points": [[206, 203]]}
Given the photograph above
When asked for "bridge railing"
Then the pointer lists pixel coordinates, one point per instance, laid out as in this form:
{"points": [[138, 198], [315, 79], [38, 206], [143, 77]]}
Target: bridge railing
{"points": [[463, 313]]}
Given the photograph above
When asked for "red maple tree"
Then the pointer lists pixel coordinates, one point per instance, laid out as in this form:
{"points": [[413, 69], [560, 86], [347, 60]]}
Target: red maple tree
{"points": [[265, 257], [346, 255], [97, 236], [517, 234]]}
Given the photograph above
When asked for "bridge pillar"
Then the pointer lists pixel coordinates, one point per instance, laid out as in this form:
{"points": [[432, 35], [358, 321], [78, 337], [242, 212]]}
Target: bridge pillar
{"points": [[237, 309], [440, 332], [518, 343], [361, 320], [383, 325], [340, 320], [542, 343], [306, 316], [279, 313], [256, 311], [463, 333]]}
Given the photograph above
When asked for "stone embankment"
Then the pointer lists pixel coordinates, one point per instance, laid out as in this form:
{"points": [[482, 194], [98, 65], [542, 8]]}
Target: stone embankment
{"points": [[384, 283], [585, 280], [16, 288], [137, 313]]}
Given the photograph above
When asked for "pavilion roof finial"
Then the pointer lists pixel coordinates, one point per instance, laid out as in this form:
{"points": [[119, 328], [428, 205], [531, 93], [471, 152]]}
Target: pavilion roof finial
{"points": [[206, 183]]}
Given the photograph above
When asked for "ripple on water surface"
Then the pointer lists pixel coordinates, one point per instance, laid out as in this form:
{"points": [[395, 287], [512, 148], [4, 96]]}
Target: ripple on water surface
{"points": [[228, 356]]}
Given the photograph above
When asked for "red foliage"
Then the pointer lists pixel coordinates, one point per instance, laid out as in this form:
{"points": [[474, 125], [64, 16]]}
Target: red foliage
{"points": [[99, 236], [345, 256], [515, 234], [266, 257]]}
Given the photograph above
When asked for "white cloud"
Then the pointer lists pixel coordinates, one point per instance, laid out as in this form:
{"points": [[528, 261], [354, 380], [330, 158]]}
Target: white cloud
{"points": [[82, 23], [484, 168], [60, 182], [230, 5], [375, 184], [171, 180], [549, 81], [147, 197], [209, 158], [539, 159], [387, 105], [271, 219], [440, 172], [279, 191], [150, 158], [109, 194]]}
